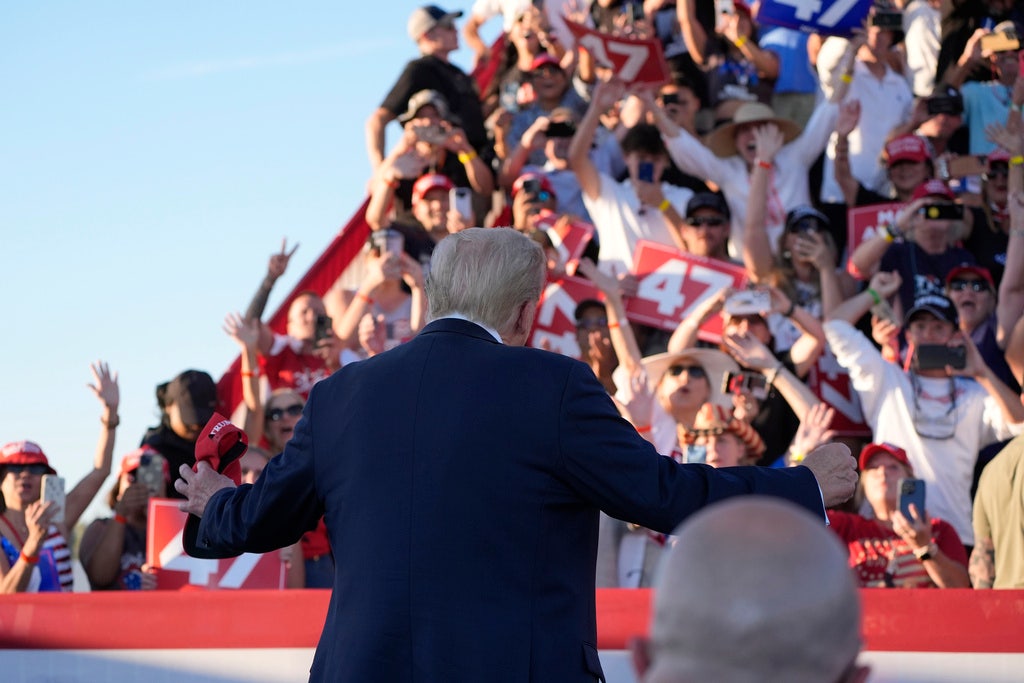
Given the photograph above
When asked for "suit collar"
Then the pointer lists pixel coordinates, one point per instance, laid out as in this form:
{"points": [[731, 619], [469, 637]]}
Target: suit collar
{"points": [[459, 326]]}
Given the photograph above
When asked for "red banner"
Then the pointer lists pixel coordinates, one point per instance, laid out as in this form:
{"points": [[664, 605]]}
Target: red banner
{"points": [[633, 60], [554, 328], [831, 383], [569, 236], [862, 222], [673, 283], [178, 570]]}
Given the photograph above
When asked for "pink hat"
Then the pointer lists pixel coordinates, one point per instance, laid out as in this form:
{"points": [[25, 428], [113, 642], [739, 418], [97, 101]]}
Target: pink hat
{"points": [[543, 59], [998, 155], [872, 449], [131, 462], [906, 148], [24, 453], [934, 188], [431, 181]]}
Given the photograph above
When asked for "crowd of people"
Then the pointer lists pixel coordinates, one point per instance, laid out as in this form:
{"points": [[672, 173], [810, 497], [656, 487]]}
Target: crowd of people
{"points": [[751, 155]]}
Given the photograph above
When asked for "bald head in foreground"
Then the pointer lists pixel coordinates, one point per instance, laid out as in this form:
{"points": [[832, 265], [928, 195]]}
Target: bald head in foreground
{"points": [[755, 589]]}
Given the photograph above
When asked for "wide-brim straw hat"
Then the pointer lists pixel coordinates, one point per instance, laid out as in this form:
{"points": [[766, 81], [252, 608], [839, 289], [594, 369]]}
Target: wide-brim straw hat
{"points": [[722, 140], [715, 363]]}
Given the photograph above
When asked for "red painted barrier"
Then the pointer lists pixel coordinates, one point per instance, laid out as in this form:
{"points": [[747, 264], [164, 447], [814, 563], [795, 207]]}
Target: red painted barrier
{"points": [[894, 620]]}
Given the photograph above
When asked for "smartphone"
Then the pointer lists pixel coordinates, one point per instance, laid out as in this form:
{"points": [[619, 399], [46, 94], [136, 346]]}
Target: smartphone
{"points": [[53, 492], [966, 165], [510, 97], [748, 302], [997, 42], [532, 187], [461, 200], [889, 21], [561, 129], [942, 212], [938, 356], [669, 98], [883, 311], [945, 104], [388, 241], [753, 383], [722, 8], [323, 328], [911, 491], [696, 454], [645, 171], [433, 133], [151, 471]]}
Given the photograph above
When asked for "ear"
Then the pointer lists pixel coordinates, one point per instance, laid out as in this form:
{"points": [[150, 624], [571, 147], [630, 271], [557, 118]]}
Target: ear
{"points": [[640, 649]]}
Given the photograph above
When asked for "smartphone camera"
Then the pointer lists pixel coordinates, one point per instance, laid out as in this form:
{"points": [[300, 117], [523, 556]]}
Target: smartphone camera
{"points": [[942, 212], [645, 171], [945, 104], [561, 129], [323, 328]]}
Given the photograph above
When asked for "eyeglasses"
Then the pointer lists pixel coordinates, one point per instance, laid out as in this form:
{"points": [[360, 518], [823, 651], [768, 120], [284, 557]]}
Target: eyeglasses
{"points": [[275, 414], [973, 285], [592, 324], [694, 371], [36, 468], [710, 221], [548, 71]]}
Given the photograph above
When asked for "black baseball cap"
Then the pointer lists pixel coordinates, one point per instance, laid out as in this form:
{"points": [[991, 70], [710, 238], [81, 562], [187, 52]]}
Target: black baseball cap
{"points": [[707, 200]]}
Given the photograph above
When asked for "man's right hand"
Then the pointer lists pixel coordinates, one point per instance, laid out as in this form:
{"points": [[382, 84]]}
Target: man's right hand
{"points": [[199, 486], [836, 472]]}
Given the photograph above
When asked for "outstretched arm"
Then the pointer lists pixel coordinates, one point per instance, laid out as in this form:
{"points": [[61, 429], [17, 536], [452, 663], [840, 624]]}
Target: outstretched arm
{"points": [[757, 248], [106, 390], [605, 95]]}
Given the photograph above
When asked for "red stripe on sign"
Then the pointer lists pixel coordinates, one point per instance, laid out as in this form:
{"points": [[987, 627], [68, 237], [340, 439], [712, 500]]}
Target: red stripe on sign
{"points": [[923, 620]]}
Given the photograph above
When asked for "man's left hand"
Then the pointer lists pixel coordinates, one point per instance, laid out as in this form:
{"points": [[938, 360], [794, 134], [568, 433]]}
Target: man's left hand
{"points": [[199, 486]]}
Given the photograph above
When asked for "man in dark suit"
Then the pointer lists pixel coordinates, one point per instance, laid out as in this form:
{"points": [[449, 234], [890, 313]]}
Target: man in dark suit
{"points": [[461, 477]]}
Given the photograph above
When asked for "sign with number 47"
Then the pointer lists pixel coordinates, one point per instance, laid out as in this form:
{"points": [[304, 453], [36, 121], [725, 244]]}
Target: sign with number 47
{"points": [[827, 17]]}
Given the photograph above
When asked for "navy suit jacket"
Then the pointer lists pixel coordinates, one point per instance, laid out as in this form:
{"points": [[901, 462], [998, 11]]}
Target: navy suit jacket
{"points": [[461, 481]]}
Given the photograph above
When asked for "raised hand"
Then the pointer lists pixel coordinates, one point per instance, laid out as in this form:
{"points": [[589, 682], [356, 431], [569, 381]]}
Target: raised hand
{"points": [[105, 385], [768, 140], [849, 117], [279, 262], [246, 333], [886, 284]]}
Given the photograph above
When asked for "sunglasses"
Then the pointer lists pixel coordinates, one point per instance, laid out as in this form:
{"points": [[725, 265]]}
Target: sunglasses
{"points": [[592, 324], [710, 221], [973, 285], [275, 414], [31, 469], [1000, 170], [694, 371]]}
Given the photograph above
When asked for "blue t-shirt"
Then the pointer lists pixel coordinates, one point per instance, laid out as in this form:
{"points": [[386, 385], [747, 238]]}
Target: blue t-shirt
{"points": [[795, 72], [984, 103]]}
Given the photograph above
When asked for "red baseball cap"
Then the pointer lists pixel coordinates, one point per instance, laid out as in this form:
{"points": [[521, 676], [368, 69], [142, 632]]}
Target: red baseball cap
{"points": [[998, 155], [131, 462], [906, 148], [873, 449], [431, 181], [543, 59], [934, 188], [24, 453], [969, 269]]}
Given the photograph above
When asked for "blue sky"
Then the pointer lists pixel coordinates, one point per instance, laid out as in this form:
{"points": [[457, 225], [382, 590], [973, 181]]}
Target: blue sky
{"points": [[153, 157]]}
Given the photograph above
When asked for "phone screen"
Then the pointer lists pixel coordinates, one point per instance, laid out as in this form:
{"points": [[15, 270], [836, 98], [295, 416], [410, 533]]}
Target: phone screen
{"points": [[911, 491], [645, 171]]}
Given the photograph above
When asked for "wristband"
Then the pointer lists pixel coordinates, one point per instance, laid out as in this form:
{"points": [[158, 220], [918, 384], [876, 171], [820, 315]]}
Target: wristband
{"points": [[1017, 160], [362, 297], [886, 233], [646, 429], [875, 296], [247, 373], [119, 518], [795, 458], [28, 560], [112, 422], [740, 41], [792, 307], [664, 206], [927, 553], [613, 326], [775, 373], [846, 78], [767, 165], [466, 157]]}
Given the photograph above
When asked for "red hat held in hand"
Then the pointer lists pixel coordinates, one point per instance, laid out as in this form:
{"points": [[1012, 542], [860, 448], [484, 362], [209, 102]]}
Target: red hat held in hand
{"points": [[221, 444]]}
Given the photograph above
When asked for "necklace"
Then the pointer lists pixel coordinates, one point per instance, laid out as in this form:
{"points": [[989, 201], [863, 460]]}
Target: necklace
{"points": [[19, 529]]}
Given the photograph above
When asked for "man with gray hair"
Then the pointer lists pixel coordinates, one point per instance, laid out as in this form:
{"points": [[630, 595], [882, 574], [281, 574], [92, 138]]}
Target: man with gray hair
{"points": [[460, 476], [756, 590]]}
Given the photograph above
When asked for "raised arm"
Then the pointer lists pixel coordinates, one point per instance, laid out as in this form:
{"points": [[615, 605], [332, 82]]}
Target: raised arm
{"points": [[685, 335], [606, 94], [757, 248], [626, 348], [106, 390], [849, 117], [752, 354], [275, 269], [969, 59], [738, 30], [1010, 306], [693, 32], [375, 125], [246, 334], [808, 347], [882, 287]]}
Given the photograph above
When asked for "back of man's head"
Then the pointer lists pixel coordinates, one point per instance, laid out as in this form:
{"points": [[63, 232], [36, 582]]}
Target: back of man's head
{"points": [[755, 589], [484, 274]]}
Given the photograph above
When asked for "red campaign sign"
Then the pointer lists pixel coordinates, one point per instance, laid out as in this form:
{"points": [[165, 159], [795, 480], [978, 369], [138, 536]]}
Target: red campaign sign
{"points": [[569, 236], [862, 222], [672, 283], [178, 570], [830, 382], [554, 327], [633, 60]]}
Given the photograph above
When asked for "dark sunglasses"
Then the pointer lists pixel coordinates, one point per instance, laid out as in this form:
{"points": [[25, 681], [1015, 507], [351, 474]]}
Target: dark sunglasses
{"points": [[973, 285], [275, 414], [593, 324], [548, 70], [998, 170], [710, 221], [694, 371], [31, 469]]}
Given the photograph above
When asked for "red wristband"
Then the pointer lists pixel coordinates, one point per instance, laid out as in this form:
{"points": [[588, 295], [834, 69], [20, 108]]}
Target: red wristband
{"points": [[119, 518], [247, 373], [643, 430], [29, 560], [613, 326], [368, 300], [764, 164]]}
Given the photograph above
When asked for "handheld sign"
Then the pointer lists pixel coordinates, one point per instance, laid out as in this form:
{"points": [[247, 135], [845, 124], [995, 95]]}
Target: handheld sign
{"points": [[633, 60], [164, 551], [863, 222], [569, 236], [554, 327], [672, 283], [826, 17]]}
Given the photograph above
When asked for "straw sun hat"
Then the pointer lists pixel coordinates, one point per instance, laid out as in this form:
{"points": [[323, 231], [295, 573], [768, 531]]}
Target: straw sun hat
{"points": [[722, 140]]}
